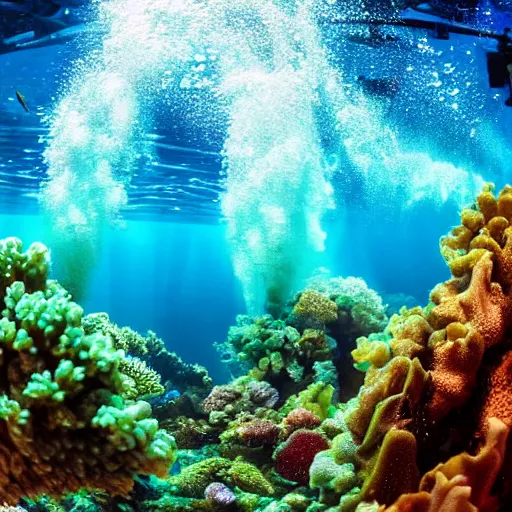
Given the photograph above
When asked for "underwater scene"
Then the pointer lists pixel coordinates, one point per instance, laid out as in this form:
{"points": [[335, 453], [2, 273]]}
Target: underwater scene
{"points": [[255, 255]]}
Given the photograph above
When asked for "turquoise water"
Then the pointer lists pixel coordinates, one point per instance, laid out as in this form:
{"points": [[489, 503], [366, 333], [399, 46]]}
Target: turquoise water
{"points": [[443, 126], [187, 162]]}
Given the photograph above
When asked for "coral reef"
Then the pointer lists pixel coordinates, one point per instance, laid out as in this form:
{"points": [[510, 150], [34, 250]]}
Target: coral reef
{"points": [[422, 378], [427, 432], [174, 372], [242, 395], [63, 421], [360, 310], [311, 340]]}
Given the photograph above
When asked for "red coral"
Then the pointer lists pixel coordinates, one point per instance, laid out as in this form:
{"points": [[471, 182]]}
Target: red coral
{"points": [[258, 433], [300, 418], [296, 455]]}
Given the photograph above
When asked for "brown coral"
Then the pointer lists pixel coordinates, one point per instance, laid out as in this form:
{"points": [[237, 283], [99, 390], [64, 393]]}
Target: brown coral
{"points": [[300, 418], [258, 433], [220, 397]]}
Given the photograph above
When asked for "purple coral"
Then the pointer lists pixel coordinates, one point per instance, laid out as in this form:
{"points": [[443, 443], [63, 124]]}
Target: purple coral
{"points": [[262, 394], [220, 397], [219, 495]]}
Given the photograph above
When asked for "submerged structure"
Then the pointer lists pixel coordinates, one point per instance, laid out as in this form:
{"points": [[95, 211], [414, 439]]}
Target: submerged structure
{"points": [[427, 430]]}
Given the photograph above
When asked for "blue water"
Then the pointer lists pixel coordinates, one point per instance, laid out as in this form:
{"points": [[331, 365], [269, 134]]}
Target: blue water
{"points": [[169, 269]]}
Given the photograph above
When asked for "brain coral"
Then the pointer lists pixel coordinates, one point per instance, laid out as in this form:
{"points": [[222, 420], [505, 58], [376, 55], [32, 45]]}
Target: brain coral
{"points": [[63, 423]]}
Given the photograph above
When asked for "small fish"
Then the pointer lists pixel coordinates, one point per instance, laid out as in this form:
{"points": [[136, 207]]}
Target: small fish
{"points": [[21, 100]]}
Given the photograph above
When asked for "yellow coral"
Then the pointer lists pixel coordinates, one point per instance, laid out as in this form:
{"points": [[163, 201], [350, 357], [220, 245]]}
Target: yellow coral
{"points": [[376, 353], [313, 306]]}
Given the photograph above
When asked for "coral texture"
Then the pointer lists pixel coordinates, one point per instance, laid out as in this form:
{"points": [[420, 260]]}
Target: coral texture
{"points": [[143, 379], [422, 371], [63, 423], [295, 456], [182, 376]]}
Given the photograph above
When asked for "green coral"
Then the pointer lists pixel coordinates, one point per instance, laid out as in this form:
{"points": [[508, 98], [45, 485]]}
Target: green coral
{"points": [[124, 338], [191, 378], [268, 347], [143, 381], [317, 398], [60, 411], [360, 309], [327, 472], [315, 310], [193, 480], [30, 267]]}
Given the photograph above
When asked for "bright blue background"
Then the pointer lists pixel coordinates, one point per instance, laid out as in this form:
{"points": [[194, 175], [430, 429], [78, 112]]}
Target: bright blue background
{"points": [[177, 279]]}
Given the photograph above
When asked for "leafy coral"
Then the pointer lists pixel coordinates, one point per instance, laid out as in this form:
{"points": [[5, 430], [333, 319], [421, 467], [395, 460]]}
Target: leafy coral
{"points": [[430, 381]]}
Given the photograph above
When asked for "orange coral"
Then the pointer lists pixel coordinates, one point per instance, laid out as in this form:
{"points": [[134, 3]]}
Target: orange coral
{"points": [[436, 356], [498, 399], [447, 496], [464, 482], [485, 311]]}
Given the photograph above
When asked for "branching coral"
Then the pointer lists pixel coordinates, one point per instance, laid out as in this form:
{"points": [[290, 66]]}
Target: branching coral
{"points": [[272, 350], [360, 309], [63, 424], [123, 338], [30, 267]]}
